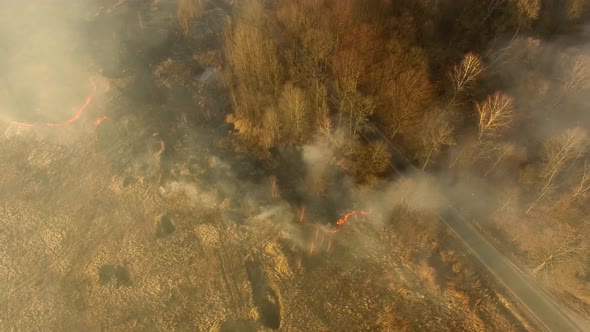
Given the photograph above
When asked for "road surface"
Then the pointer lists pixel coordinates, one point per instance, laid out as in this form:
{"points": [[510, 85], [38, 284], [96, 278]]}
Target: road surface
{"points": [[541, 305]]}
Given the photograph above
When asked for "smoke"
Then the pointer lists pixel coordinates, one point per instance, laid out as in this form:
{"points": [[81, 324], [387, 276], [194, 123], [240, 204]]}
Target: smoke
{"points": [[45, 66], [320, 152], [280, 210], [51, 51]]}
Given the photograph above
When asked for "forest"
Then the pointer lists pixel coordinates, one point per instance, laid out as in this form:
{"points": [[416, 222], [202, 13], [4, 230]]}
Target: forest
{"points": [[489, 96]]}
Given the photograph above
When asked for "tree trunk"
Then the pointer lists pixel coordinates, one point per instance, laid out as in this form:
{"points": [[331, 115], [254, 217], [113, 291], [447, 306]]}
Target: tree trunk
{"points": [[427, 160], [542, 265], [495, 164], [543, 192]]}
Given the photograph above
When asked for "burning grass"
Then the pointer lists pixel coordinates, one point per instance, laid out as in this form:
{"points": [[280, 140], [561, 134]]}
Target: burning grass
{"points": [[138, 258]]}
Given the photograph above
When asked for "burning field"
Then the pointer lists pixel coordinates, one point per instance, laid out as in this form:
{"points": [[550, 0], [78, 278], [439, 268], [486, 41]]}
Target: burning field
{"points": [[124, 252], [130, 213]]}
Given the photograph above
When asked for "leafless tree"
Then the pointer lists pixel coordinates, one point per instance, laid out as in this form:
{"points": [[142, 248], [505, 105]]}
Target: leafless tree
{"points": [[508, 209], [317, 93], [494, 116], [583, 186], [493, 5], [527, 9], [366, 162], [524, 12], [310, 40], [501, 150], [269, 128], [380, 157], [464, 74], [436, 134], [294, 112], [558, 243], [462, 155], [560, 151], [575, 8], [253, 57], [577, 73], [353, 106], [400, 86], [518, 50], [408, 94]]}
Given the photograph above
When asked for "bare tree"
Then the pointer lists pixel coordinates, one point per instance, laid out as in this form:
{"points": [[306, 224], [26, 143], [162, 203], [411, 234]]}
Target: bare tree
{"points": [[294, 112], [501, 150], [577, 73], [436, 134], [350, 102], [380, 157], [327, 131], [524, 12], [464, 154], [310, 41], [365, 163], [353, 107], [493, 5], [270, 128], [518, 50], [464, 74], [409, 92], [558, 243], [318, 99], [508, 211], [574, 78], [575, 8], [527, 9], [253, 56], [583, 187], [494, 116], [256, 77], [400, 86], [558, 152]]}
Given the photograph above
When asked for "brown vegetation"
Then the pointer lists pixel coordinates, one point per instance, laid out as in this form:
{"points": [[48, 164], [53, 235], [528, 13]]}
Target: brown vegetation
{"points": [[187, 10], [474, 86], [464, 87]]}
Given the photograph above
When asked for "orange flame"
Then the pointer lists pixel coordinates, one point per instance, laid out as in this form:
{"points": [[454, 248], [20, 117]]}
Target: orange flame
{"points": [[342, 164], [26, 124], [344, 219], [79, 111], [97, 121], [75, 117]]}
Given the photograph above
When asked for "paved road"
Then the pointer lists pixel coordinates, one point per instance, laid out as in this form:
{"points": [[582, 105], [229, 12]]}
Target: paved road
{"points": [[542, 306]]}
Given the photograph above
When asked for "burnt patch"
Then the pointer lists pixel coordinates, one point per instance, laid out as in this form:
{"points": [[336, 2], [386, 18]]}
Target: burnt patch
{"points": [[265, 297], [129, 180], [165, 226], [325, 207], [119, 274]]}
